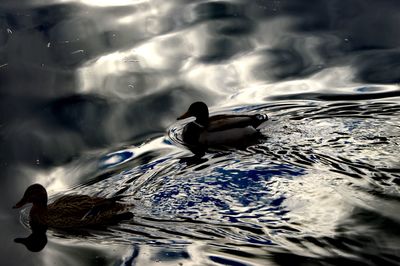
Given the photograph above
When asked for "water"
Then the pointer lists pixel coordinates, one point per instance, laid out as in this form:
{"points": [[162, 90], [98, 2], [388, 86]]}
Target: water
{"points": [[90, 92]]}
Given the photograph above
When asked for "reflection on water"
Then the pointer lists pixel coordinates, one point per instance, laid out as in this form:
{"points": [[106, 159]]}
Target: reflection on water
{"points": [[312, 189], [35, 242], [90, 91]]}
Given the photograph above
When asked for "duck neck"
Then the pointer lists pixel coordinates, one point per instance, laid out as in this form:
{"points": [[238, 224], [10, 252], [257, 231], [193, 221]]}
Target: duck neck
{"points": [[200, 125], [38, 215], [202, 121]]}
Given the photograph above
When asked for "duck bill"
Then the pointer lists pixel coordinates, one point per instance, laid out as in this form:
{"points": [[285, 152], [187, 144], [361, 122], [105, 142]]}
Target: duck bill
{"points": [[185, 115], [20, 204]]}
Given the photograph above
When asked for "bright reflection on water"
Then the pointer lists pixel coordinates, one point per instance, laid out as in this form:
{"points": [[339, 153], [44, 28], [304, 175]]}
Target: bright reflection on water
{"points": [[90, 95], [310, 189]]}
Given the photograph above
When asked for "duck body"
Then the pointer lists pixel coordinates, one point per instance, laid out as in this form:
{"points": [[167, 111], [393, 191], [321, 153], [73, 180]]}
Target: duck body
{"points": [[71, 211], [220, 130]]}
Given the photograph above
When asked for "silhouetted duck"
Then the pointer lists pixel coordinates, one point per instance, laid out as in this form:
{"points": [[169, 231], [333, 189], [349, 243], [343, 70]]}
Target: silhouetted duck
{"points": [[231, 130], [72, 211]]}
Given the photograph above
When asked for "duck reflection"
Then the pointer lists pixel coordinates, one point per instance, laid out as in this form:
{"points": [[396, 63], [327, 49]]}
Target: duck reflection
{"points": [[35, 242], [196, 159]]}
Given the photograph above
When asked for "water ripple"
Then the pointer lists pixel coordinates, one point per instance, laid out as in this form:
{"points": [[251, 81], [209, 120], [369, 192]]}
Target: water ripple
{"points": [[300, 192]]}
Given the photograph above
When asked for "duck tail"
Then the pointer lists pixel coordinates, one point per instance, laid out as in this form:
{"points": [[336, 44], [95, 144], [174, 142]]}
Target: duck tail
{"points": [[120, 197], [260, 118]]}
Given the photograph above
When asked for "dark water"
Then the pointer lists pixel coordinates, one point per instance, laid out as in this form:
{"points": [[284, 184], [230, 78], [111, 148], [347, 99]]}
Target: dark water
{"points": [[89, 94]]}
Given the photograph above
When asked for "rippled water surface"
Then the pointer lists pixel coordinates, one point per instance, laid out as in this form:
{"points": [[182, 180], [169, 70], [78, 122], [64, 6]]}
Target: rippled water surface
{"points": [[90, 92]]}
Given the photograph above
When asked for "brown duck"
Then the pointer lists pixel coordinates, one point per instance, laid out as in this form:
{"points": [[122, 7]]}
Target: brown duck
{"points": [[229, 130], [72, 211]]}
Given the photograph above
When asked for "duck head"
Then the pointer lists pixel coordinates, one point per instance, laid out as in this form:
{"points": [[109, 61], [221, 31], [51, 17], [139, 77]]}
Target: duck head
{"points": [[199, 110], [35, 194]]}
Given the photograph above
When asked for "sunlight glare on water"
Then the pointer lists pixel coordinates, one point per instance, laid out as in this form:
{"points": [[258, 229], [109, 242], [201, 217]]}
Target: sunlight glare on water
{"points": [[90, 95], [278, 194]]}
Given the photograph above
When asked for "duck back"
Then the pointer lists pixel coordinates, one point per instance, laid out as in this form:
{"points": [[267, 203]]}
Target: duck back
{"points": [[81, 210], [234, 137], [224, 122]]}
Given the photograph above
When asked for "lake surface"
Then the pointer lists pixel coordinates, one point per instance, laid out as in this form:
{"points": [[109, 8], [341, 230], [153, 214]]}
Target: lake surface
{"points": [[89, 96]]}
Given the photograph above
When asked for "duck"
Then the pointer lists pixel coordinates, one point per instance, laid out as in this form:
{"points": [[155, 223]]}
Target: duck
{"points": [[225, 130], [72, 211]]}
